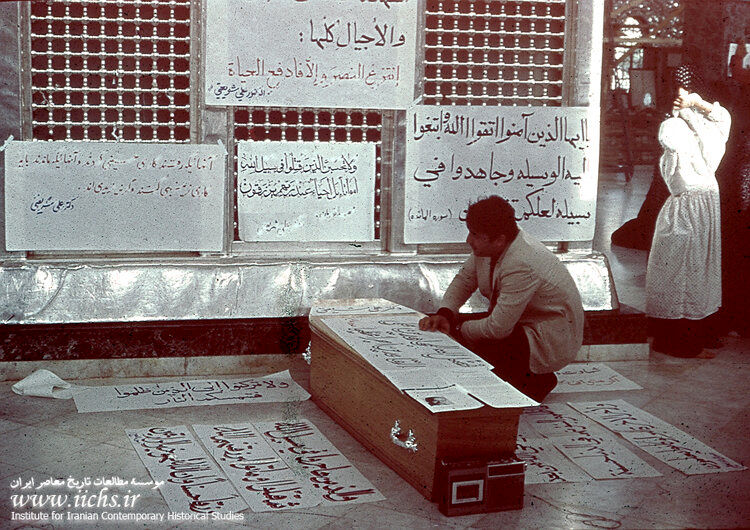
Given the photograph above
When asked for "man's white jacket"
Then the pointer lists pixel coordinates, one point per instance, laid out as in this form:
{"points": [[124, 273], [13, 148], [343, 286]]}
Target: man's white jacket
{"points": [[533, 289]]}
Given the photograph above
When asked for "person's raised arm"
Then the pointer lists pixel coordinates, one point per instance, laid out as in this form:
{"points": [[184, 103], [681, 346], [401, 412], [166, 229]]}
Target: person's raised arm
{"points": [[692, 100], [712, 131]]}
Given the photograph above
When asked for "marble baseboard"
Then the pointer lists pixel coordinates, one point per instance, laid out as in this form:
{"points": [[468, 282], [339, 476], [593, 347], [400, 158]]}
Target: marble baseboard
{"points": [[151, 340], [223, 365], [624, 326], [613, 352]]}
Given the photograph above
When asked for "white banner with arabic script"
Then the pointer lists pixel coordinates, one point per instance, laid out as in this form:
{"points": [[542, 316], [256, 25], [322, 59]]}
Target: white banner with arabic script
{"points": [[278, 387], [660, 439], [603, 457], [491, 389], [280, 465], [261, 476], [545, 464], [557, 419], [305, 191], [191, 480], [395, 343], [300, 443], [114, 196], [357, 306], [541, 159], [591, 377], [312, 53], [581, 440]]}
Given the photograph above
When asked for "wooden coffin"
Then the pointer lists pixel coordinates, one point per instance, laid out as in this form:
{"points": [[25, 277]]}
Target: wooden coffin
{"points": [[405, 435]]}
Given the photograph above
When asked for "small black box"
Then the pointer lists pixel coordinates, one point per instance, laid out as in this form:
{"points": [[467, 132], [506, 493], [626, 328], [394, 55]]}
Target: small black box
{"points": [[480, 486]]}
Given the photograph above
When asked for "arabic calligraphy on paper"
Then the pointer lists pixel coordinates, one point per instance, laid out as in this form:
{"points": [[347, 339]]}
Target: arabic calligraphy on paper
{"points": [[357, 306], [311, 53], [393, 343], [278, 387], [192, 482], [660, 439], [556, 419], [541, 159], [582, 442], [545, 464], [105, 196], [603, 457], [591, 377], [304, 191], [282, 465]]}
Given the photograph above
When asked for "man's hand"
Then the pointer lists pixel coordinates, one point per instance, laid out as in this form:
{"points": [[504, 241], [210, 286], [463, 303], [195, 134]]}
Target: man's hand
{"points": [[687, 100], [684, 100], [435, 323]]}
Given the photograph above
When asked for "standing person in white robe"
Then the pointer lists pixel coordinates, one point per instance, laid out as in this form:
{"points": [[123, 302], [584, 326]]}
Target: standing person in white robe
{"points": [[683, 278]]}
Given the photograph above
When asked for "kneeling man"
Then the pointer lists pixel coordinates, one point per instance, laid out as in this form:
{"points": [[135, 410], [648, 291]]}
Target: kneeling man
{"points": [[534, 325]]}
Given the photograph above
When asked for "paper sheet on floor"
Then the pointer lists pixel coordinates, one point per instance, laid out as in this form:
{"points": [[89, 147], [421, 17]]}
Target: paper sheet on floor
{"points": [[658, 438], [278, 387], [43, 383], [576, 436], [545, 464], [591, 377], [557, 419], [282, 465], [603, 457], [263, 479], [192, 482]]}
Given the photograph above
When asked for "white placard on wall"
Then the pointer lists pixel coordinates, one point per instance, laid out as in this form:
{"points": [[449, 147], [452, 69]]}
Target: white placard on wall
{"points": [[541, 159], [312, 53], [114, 196], [305, 191]]}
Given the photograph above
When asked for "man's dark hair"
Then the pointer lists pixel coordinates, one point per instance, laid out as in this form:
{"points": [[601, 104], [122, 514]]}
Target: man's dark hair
{"points": [[494, 217]]}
